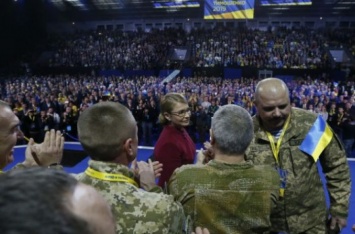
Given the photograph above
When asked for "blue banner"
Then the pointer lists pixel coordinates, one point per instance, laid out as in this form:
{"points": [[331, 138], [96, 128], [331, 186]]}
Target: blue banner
{"points": [[229, 9]]}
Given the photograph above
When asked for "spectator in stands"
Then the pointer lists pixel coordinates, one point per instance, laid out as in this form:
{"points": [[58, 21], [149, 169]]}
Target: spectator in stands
{"points": [[218, 195], [332, 115], [154, 108], [55, 116], [340, 120], [324, 113], [174, 147], [69, 123], [211, 110], [147, 122], [32, 125], [46, 123], [108, 133], [202, 124], [205, 103], [46, 104], [43, 201], [348, 134]]}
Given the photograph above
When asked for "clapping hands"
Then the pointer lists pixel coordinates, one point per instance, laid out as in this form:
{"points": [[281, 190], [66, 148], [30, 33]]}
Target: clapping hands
{"points": [[49, 152]]}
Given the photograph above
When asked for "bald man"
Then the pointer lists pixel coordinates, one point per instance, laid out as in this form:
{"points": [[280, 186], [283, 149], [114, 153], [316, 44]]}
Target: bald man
{"points": [[279, 134]]}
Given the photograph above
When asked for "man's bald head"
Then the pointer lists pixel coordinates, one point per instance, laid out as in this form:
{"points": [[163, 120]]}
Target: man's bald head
{"points": [[270, 87]]}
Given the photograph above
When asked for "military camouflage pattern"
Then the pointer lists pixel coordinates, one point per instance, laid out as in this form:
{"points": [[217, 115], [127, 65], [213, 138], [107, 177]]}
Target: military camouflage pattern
{"points": [[136, 210], [303, 205], [22, 166], [226, 198]]}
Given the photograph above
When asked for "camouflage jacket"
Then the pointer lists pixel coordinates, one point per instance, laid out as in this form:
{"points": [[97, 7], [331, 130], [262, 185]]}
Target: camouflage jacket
{"points": [[226, 198], [136, 211], [303, 205]]}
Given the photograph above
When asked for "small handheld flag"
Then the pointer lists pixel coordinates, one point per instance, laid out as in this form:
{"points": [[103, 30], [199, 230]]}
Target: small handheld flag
{"points": [[317, 139]]}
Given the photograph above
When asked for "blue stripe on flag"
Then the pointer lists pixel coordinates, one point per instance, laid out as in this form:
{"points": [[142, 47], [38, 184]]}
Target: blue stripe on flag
{"points": [[317, 139]]}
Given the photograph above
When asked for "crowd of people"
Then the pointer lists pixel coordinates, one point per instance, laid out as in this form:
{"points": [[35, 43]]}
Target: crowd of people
{"points": [[258, 165], [47, 102], [264, 139], [220, 46], [236, 144]]}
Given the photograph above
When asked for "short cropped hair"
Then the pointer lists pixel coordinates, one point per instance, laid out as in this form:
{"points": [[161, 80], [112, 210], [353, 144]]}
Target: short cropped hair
{"points": [[232, 128], [34, 201], [168, 103], [104, 127]]}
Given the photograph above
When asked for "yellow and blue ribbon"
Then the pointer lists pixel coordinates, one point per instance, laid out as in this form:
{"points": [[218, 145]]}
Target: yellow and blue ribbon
{"points": [[317, 139]]}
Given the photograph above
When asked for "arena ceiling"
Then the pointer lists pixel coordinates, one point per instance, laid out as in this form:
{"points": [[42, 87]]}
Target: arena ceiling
{"points": [[163, 9]]}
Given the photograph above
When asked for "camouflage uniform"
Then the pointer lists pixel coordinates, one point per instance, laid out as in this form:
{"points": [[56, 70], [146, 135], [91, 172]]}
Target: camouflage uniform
{"points": [[136, 211], [303, 206], [226, 198]]}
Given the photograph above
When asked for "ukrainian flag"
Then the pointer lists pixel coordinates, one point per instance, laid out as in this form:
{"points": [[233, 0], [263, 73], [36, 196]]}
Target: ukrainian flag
{"points": [[317, 139]]}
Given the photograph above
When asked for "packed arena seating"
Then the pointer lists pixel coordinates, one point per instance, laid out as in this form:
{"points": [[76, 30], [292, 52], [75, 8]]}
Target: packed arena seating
{"points": [[57, 100], [221, 46]]}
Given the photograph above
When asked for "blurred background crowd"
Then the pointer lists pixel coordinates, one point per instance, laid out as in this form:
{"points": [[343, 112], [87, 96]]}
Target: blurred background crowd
{"points": [[46, 102]]}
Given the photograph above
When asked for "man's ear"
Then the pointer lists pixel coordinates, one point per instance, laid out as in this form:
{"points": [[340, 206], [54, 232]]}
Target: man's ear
{"points": [[129, 149], [212, 140]]}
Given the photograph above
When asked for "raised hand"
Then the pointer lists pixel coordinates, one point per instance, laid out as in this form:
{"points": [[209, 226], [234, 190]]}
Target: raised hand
{"points": [[51, 150]]}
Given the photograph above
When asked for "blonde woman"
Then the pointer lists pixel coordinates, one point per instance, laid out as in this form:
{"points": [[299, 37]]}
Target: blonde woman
{"points": [[174, 147]]}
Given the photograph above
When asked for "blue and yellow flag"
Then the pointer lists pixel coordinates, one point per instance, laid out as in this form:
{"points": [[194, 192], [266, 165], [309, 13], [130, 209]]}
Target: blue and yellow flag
{"points": [[229, 9], [317, 139]]}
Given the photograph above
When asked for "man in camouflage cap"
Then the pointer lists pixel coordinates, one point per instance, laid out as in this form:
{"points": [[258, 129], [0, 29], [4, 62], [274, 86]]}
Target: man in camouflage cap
{"points": [[280, 132], [108, 133], [228, 194]]}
